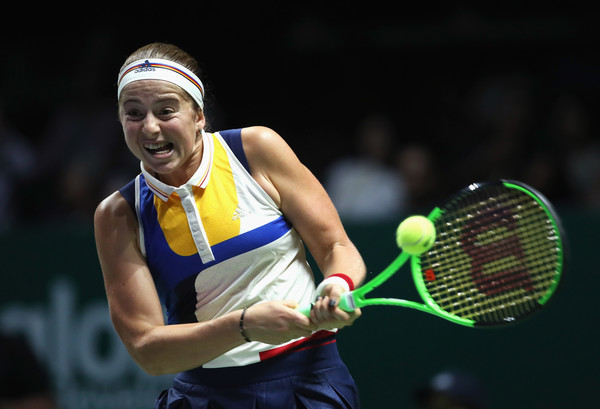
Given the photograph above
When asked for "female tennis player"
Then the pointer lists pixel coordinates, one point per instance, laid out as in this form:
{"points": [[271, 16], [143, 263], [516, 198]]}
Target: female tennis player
{"points": [[214, 228]]}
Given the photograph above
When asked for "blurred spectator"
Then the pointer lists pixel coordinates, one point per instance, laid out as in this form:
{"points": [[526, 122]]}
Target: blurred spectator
{"points": [[417, 167], [569, 130], [452, 390], [499, 123], [73, 160], [17, 160], [24, 383], [364, 187], [82, 154]]}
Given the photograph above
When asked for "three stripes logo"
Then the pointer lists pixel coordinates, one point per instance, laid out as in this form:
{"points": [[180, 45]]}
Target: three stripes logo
{"points": [[239, 213]]}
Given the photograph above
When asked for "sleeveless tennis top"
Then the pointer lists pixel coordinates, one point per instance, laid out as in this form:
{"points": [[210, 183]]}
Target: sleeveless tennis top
{"points": [[219, 243]]}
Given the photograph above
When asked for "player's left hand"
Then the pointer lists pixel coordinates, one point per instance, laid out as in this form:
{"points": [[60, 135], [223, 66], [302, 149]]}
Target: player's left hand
{"points": [[327, 315]]}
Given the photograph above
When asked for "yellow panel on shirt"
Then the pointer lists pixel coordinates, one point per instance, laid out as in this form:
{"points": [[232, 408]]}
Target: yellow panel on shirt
{"points": [[216, 204]]}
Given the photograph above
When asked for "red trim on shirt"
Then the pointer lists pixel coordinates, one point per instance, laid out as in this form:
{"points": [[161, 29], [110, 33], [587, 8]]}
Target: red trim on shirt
{"points": [[298, 345]]}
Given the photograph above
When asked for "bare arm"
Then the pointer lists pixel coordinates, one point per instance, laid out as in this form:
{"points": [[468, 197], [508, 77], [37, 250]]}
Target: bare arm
{"points": [[306, 204], [137, 315]]}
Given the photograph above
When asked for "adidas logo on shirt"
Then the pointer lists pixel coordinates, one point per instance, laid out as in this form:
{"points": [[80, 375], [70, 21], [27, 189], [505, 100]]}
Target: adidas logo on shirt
{"points": [[239, 213]]}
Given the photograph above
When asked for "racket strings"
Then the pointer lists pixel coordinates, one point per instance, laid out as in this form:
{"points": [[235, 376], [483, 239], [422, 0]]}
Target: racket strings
{"points": [[496, 255]]}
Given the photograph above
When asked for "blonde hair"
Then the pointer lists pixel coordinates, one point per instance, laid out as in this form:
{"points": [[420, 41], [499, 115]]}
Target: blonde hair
{"points": [[166, 52]]}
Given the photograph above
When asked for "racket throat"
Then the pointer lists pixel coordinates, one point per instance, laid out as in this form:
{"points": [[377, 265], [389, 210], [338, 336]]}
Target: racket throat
{"points": [[347, 302]]}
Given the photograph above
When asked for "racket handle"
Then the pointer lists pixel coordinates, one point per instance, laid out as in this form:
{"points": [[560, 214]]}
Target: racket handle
{"points": [[305, 309], [346, 303]]}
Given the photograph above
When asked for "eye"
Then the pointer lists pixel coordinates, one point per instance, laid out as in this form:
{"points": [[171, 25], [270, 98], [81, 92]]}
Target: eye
{"points": [[134, 114], [165, 112]]}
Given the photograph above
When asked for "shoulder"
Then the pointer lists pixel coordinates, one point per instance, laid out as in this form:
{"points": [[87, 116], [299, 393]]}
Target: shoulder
{"points": [[272, 162], [113, 211], [259, 136], [263, 143], [115, 230]]}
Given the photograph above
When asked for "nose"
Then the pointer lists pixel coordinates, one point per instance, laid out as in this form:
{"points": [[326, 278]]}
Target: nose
{"points": [[150, 125]]}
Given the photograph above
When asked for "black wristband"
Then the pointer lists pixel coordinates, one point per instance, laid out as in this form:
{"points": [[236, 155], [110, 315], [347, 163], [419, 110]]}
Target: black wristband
{"points": [[242, 325]]}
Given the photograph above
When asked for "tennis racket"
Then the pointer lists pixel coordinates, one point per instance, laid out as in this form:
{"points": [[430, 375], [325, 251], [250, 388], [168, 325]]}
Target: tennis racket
{"points": [[497, 258]]}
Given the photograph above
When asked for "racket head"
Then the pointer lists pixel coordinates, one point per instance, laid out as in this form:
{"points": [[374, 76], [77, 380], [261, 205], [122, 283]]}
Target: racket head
{"points": [[498, 255]]}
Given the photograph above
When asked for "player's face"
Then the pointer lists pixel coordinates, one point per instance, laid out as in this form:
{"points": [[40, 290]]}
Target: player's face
{"points": [[161, 129]]}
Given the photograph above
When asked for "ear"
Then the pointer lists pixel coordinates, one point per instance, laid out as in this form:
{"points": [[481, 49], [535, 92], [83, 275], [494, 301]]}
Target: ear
{"points": [[200, 119]]}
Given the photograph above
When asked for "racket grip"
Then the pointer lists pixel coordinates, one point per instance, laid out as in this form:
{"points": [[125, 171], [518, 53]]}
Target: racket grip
{"points": [[305, 309], [346, 303]]}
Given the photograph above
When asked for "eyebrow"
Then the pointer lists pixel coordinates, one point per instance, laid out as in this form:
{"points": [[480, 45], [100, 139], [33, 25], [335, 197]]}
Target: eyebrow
{"points": [[167, 97], [160, 99]]}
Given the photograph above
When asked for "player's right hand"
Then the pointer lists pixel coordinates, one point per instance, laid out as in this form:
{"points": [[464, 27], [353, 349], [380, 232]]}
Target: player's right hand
{"points": [[276, 322]]}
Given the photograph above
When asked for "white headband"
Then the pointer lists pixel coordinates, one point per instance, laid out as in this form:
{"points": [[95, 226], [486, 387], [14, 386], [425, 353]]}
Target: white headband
{"points": [[157, 69]]}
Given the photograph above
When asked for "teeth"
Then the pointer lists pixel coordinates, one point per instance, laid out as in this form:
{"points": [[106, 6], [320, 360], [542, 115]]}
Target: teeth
{"points": [[159, 147], [156, 145]]}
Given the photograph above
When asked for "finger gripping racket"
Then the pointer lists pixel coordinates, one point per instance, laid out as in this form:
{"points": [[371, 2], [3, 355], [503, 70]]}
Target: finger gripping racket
{"points": [[497, 258]]}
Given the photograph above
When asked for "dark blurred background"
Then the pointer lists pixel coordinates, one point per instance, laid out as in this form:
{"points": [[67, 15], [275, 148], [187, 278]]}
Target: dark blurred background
{"points": [[388, 104], [483, 92]]}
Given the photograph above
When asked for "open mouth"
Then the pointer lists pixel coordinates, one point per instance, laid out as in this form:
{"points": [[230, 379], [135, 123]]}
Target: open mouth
{"points": [[161, 148]]}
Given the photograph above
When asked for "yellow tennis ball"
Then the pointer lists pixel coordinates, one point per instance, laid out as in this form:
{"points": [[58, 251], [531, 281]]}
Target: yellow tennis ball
{"points": [[415, 235]]}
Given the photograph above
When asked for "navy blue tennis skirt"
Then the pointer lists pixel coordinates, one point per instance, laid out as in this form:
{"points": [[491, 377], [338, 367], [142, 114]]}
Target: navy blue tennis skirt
{"points": [[314, 378]]}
